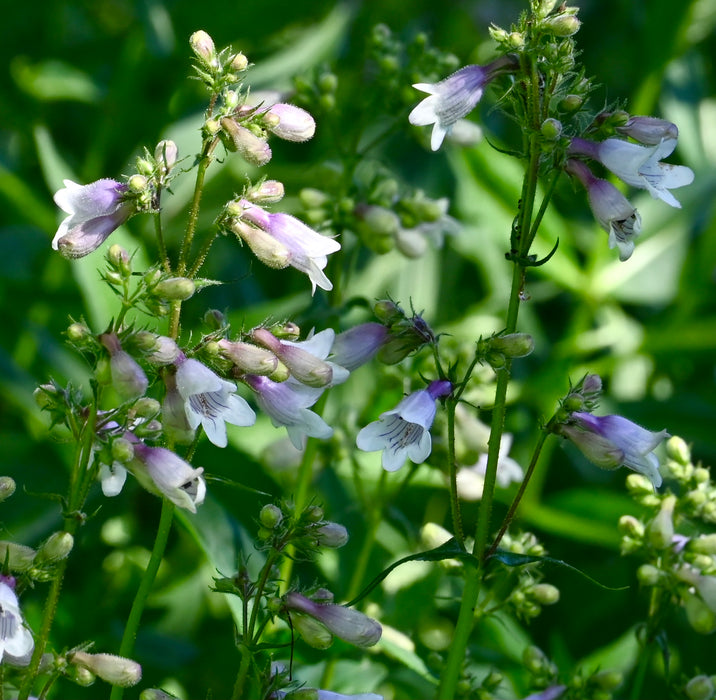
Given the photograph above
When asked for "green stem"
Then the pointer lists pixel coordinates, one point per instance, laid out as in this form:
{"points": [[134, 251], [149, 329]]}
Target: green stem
{"points": [[518, 497], [452, 467], [126, 648], [159, 231], [241, 676]]}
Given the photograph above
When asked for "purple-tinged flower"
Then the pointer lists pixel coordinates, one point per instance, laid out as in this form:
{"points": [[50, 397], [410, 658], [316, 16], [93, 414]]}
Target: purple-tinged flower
{"points": [[287, 405], [162, 472], [358, 345], [210, 400], [650, 131], [405, 430], [307, 249], [639, 166], [613, 441], [349, 625], [454, 97], [95, 211], [16, 642], [306, 360], [610, 208], [292, 123]]}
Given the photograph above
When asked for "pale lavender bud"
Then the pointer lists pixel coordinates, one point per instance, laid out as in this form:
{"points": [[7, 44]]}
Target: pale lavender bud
{"points": [[649, 130], [349, 625], [294, 123], [331, 535], [165, 351], [248, 357], [263, 245], [203, 46], [266, 192], [358, 345], [116, 670], [55, 548], [19, 557], [128, 377], [700, 688], [250, 147], [660, 530], [7, 487], [165, 154]]}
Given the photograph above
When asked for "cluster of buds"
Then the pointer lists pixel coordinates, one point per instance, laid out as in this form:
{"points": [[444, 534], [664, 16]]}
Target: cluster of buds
{"points": [[501, 347], [307, 531], [682, 565], [408, 222]]}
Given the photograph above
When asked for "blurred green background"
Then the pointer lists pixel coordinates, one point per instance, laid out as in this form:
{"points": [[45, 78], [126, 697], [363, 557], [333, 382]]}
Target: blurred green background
{"points": [[88, 84]]}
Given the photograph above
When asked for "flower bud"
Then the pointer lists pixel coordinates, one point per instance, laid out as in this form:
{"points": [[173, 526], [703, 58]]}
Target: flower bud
{"points": [[165, 351], [703, 544], [175, 289], [513, 344], [19, 557], [203, 46], [313, 632], [270, 516], [545, 594], [239, 63], [155, 694], [377, 227], [138, 183], [293, 123], [608, 680], [128, 377], [250, 147], [119, 259], [388, 312], [648, 575], [248, 357], [700, 688], [78, 333], [678, 450], [7, 487], [311, 198], [165, 154], [313, 514], [629, 525], [571, 103], [660, 531], [331, 535], [562, 25], [55, 548], [535, 660], [263, 245], [114, 669], [551, 129], [347, 624], [701, 618], [267, 192]]}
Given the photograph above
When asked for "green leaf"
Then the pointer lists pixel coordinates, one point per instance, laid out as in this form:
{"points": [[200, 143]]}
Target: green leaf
{"points": [[449, 550]]}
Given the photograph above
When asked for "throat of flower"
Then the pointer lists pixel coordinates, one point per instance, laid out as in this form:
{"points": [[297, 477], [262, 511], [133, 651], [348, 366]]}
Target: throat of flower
{"points": [[401, 433], [8, 624]]}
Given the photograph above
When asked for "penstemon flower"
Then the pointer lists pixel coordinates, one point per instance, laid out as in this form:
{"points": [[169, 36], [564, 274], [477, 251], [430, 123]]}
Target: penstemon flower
{"points": [[210, 400], [287, 404], [610, 208], [614, 441], [95, 211], [162, 472], [639, 166], [16, 642], [290, 123], [471, 480], [454, 97], [405, 430], [306, 249]]}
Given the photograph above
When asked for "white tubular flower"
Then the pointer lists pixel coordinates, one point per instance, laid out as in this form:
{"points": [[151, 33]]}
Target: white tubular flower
{"points": [[471, 480], [453, 98], [210, 401], [405, 430], [358, 345], [95, 211], [116, 670], [16, 642], [613, 441], [287, 405], [319, 347], [162, 472], [611, 209]]}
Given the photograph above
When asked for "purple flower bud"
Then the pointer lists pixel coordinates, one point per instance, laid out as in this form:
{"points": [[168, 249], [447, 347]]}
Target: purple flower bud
{"points": [[250, 147], [128, 377], [358, 345], [332, 535], [294, 123], [95, 211], [347, 624]]}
